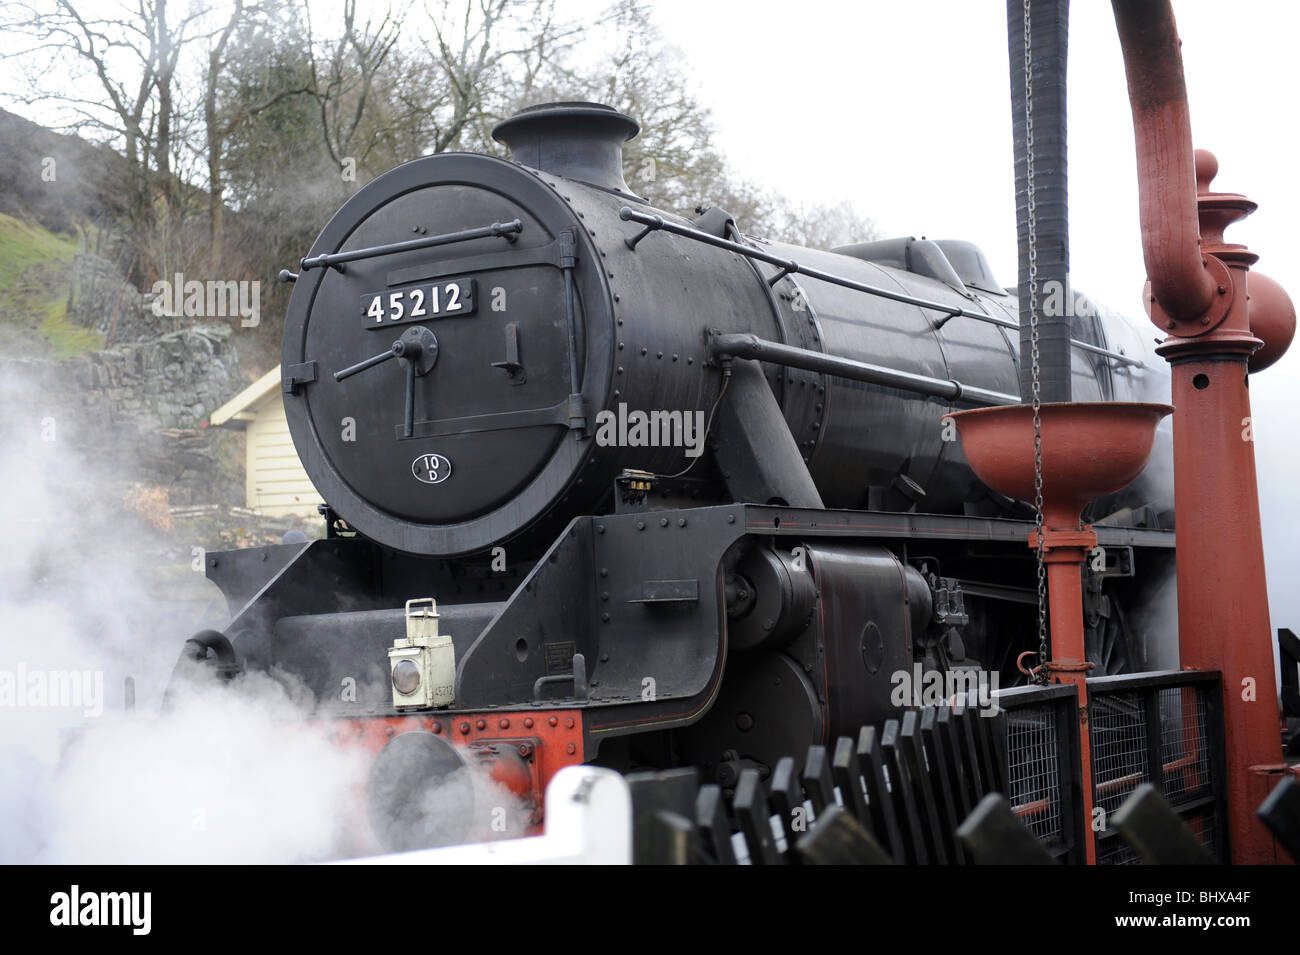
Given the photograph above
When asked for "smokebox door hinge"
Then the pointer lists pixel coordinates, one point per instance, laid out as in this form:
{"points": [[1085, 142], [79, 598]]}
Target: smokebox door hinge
{"points": [[297, 375]]}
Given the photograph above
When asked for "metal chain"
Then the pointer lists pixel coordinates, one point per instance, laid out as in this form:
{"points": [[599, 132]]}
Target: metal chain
{"points": [[1042, 676]]}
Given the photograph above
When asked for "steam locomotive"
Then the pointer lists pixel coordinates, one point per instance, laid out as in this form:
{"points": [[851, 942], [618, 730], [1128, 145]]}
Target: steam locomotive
{"points": [[671, 494]]}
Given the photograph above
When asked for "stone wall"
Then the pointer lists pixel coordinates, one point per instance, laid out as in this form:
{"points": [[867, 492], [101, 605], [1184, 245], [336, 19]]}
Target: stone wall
{"points": [[106, 302], [109, 304], [137, 413]]}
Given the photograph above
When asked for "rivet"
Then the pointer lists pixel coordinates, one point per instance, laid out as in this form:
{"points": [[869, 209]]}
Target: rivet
{"points": [[570, 749], [554, 721], [644, 349], [569, 722], [481, 724], [504, 724], [464, 727], [640, 525], [604, 618], [604, 571], [1223, 290], [437, 728], [600, 528], [663, 522], [681, 522], [388, 731], [528, 722], [604, 595], [731, 518]]}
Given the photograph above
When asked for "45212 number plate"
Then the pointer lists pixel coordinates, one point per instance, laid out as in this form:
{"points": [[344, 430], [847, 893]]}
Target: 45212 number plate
{"points": [[448, 298]]}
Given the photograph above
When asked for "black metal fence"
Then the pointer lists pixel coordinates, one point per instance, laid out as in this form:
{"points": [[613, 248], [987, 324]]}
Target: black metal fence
{"points": [[1288, 650], [1165, 729], [899, 792], [896, 793]]}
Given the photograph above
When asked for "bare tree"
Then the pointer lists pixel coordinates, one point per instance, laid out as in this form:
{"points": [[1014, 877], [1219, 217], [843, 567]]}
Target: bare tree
{"points": [[130, 54], [221, 123], [342, 82], [216, 130], [121, 57], [823, 226]]}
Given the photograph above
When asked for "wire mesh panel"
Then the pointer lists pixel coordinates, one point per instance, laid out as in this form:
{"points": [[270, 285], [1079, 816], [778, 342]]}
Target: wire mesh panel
{"points": [[1041, 756], [1164, 728], [1118, 739], [1033, 771], [1184, 752]]}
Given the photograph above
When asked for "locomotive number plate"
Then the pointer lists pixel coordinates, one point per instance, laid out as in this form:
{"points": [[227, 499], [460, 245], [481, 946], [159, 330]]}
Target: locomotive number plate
{"points": [[447, 298]]}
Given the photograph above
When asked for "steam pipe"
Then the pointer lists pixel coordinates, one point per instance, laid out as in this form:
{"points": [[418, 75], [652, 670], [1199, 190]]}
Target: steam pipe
{"points": [[1162, 131], [746, 345]]}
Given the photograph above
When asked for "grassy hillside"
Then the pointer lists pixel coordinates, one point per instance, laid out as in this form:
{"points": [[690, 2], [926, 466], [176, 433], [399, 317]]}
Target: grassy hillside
{"points": [[35, 279]]}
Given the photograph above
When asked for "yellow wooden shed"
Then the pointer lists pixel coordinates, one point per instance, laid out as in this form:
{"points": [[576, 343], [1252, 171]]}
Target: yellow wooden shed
{"points": [[274, 480]]}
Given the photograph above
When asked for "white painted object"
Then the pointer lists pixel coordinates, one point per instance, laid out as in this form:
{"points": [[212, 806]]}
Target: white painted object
{"points": [[588, 822]]}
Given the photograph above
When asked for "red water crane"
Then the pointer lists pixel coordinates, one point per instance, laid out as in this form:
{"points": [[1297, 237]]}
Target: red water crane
{"points": [[1222, 322]]}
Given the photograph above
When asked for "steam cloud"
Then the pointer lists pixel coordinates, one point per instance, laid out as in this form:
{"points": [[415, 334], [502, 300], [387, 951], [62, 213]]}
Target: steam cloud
{"points": [[234, 774]]}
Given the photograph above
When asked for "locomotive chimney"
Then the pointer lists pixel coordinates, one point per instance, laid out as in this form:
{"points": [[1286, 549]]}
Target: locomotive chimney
{"points": [[577, 140]]}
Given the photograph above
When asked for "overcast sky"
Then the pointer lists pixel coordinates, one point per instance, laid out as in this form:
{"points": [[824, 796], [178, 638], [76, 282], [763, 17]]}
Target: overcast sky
{"points": [[904, 108]]}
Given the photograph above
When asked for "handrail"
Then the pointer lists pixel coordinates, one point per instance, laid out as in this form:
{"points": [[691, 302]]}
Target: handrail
{"points": [[507, 230], [656, 223]]}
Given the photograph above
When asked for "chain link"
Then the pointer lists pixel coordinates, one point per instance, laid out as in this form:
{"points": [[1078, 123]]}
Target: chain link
{"points": [[1033, 350]]}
